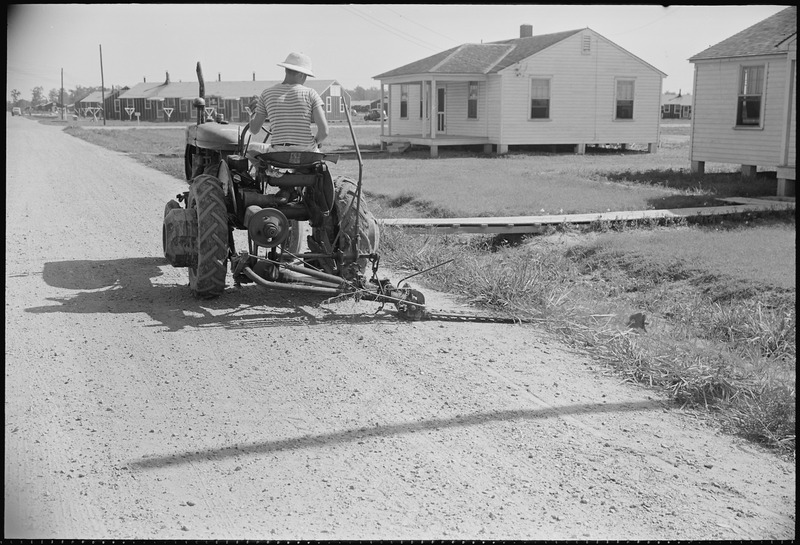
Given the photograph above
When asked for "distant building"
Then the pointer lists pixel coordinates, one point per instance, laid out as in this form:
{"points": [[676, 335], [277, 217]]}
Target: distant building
{"points": [[570, 88], [745, 100], [170, 101], [96, 105], [676, 106]]}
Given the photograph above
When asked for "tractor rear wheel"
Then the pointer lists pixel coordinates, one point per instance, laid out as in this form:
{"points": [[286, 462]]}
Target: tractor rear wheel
{"points": [[207, 279], [345, 205]]}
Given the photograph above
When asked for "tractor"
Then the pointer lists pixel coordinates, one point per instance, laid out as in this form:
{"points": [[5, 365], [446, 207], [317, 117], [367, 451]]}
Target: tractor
{"points": [[305, 230]]}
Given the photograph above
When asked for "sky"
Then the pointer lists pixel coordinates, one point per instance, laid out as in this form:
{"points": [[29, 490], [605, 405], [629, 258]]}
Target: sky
{"points": [[350, 43]]}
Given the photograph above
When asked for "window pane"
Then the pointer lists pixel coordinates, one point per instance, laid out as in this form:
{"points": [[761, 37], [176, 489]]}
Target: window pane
{"points": [[624, 90], [540, 108], [472, 101], [625, 94], [749, 111], [540, 89], [624, 109], [752, 80]]}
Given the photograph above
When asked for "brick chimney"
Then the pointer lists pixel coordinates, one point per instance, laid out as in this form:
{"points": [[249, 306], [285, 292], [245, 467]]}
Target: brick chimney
{"points": [[167, 80], [525, 31]]}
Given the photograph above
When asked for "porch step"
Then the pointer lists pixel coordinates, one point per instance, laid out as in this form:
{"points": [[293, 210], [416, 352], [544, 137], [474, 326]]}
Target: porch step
{"points": [[398, 147]]}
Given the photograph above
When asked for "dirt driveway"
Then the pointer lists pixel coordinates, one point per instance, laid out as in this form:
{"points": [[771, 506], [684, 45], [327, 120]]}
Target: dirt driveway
{"points": [[134, 411]]}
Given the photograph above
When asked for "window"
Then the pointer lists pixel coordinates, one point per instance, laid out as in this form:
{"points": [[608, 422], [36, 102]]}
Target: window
{"points": [[404, 101], [341, 105], [751, 88], [472, 100], [328, 104], [540, 98], [624, 99]]}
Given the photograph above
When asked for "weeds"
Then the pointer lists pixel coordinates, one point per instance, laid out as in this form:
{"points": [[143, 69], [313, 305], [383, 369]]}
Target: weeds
{"points": [[734, 356]]}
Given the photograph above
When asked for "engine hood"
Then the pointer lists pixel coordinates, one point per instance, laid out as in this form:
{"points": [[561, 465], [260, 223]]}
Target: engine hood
{"points": [[215, 136]]}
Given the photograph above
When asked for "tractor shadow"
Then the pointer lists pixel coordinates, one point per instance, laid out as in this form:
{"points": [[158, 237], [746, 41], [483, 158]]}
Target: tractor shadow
{"points": [[315, 441], [132, 286]]}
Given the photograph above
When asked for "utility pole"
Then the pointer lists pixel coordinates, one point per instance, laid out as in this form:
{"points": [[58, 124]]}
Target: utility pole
{"points": [[62, 95], [102, 85]]}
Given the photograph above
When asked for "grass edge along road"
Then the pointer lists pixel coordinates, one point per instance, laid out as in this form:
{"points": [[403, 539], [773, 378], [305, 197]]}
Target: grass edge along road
{"points": [[719, 343]]}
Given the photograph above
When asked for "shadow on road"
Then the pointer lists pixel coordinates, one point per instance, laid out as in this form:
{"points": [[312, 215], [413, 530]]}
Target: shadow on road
{"points": [[346, 436], [126, 286]]}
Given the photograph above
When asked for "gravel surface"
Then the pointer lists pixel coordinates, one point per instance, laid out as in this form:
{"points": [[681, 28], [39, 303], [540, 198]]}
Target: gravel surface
{"points": [[133, 411]]}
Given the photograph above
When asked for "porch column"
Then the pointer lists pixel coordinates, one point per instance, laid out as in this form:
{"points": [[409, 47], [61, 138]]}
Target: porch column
{"points": [[434, 107], [383, 106], [422, 86]]}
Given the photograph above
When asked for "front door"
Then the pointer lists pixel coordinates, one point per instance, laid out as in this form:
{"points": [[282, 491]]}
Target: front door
{"points": [[440, 121]]}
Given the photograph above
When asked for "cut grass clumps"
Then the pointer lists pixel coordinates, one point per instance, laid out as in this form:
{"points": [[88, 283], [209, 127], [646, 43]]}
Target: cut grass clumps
{"points": [[520, 283], [708, 345]]}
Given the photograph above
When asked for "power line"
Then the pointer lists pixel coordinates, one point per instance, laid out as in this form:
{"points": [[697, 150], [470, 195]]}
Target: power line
{"points": [[421, 25], [396, 32], [653, 21]]}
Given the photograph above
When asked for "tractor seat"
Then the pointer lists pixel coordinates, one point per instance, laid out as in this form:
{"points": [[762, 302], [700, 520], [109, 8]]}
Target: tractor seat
{"points": [[291, 159], [254, 149]]}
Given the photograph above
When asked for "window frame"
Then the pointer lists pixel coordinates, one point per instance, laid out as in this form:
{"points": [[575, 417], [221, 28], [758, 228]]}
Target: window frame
{"points": [[403, 101], [548, 116], [617, 99], [472, 103], [741, 96], [328, 104]]}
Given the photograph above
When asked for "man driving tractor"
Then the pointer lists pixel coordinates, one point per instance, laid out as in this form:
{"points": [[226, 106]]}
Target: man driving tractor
{"points": [[291, 107]]}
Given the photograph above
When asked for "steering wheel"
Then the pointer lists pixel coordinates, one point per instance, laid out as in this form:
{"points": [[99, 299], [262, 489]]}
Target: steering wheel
{"points": [[245, 129]]}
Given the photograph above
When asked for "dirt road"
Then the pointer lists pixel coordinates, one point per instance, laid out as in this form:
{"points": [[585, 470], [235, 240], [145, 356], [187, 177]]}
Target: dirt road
{"points": [[134, 411]]}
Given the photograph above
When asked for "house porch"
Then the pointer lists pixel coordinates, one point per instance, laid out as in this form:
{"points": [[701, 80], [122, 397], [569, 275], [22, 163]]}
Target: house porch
{"points": [[441, 140]]}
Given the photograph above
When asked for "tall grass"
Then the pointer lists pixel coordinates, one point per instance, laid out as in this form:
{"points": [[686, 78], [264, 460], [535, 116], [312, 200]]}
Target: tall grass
{"points": [[732, 355]]}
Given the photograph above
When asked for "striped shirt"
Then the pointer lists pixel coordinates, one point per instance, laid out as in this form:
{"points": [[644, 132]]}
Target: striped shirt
{"points": [[288, 109]]}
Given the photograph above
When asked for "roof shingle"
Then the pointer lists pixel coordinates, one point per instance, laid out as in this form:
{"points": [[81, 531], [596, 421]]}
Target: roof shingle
{"points": [[486, 58], [760, 39]]}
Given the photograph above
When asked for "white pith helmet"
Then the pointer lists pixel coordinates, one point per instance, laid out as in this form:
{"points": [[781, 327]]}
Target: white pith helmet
{"points": [[299, 63]]}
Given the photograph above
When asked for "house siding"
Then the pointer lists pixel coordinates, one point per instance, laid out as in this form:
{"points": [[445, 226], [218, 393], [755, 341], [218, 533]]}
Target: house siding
{"points": [[791, 152], [456, 110], [582, 96], [412, 124], [714, 136]]}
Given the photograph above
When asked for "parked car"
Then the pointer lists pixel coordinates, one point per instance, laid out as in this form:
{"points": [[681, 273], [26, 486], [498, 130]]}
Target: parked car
{"points": [[16, 111], [374, 115]]}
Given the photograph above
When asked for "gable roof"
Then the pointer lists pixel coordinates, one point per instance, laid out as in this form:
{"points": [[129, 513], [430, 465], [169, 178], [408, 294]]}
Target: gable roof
{"points": [[486, 58], [97, 96], [225, 89], [763, 38], [672, 98]]}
